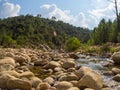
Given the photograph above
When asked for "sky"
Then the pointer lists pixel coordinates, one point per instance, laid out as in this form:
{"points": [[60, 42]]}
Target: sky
{"points": [[83, 13]]}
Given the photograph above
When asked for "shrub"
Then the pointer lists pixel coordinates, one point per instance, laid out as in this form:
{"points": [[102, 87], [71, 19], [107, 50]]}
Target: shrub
{"points": [[72, 44]]}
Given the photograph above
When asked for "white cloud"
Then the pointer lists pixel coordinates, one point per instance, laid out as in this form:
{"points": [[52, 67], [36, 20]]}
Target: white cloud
{"points": [[100, 9], [103, 12], [9, 10], [65, 15]]}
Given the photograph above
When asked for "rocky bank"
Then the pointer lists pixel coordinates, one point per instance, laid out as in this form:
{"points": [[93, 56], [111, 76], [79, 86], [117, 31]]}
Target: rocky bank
{"points": [[59, 71]]}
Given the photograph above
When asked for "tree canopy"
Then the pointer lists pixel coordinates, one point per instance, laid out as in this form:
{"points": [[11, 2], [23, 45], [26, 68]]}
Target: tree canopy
{"points": [[29, 31]]}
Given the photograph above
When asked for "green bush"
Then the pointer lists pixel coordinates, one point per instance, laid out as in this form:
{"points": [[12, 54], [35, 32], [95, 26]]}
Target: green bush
{"points": [[72, 44], [7, 41]]}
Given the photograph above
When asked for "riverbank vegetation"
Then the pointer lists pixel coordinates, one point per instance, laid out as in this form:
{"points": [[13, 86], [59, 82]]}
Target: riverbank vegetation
{"points": [[34, 31], [31, 31]]}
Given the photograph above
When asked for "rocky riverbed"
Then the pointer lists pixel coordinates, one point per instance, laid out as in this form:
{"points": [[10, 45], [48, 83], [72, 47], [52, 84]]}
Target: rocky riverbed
{"points": [[32, 69]]}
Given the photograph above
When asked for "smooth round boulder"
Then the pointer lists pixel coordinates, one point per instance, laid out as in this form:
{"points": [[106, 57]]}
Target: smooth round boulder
{"points": [[4, 79], [116, 57], [52, 65], [40, 62], [115, 70], [68, 64], [91, 80], [43, 86], [69, 77], [6, 67], [19, 84], [82, 71], [88, 89], [26, 74], [49, 80], [35, 81], [12, 73], [7, 60], [22, 58], [64, 85], [73, 88], [116, 78]]}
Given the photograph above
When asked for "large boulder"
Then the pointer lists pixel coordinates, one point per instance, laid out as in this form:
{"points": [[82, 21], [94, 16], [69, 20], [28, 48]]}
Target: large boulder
{"points": [[19, 84], [35, 81], [26, 74], [22, 58], [69, 77], [7, 60], [4, 79], [12, 73], [82, 71], [68, 64], [40, 62], [52, 65], [116, 57], [115, 70], [73, 88], [43, 86], [116, 78], [91, 80], [6, 67], [64, 85], [49, 80]]}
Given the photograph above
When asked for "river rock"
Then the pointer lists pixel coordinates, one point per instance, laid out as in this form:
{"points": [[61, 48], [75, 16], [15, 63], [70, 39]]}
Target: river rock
{"points": [[43, 86], [92, 80], [22, 58], [7, 60], [19, 84], [116, 78], [115, 70], [64, 85], [4, 79], [116, 58], [40, 62], [6, 67], [106, 89], [49, 80], [88, 89], [12, 73], [73, 88], [35, 81], [57, 69], [73, 55], [82, 71], [68, 64], [74, 83], [52, 88], [69, 77], [26, 74], [52, 65]]}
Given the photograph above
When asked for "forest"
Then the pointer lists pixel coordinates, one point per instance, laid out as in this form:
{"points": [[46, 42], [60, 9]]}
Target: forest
{"points": [[31, 31]]}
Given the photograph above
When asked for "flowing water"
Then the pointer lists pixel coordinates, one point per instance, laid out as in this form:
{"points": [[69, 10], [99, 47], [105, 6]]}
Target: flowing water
{"points": [[96, 63]]}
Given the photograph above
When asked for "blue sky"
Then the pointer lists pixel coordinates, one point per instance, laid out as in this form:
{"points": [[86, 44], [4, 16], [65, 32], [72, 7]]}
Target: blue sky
{"points": [[84, 13]]}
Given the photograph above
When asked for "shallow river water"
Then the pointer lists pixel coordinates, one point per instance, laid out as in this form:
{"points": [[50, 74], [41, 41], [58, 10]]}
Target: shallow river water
{"points": [[96, 63]]}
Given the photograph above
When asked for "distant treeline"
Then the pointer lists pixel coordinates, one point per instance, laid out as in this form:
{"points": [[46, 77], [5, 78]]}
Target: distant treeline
{"points": [[31, 31], [107, 31]]}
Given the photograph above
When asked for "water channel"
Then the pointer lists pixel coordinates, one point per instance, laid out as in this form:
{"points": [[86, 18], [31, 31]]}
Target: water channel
{"points": [[96, 63]]}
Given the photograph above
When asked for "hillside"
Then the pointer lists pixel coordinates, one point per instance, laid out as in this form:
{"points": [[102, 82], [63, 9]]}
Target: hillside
{"points": [[30, 31]]}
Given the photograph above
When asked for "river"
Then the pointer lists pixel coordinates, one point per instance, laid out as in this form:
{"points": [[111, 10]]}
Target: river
{"points": [[96, 63]]}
